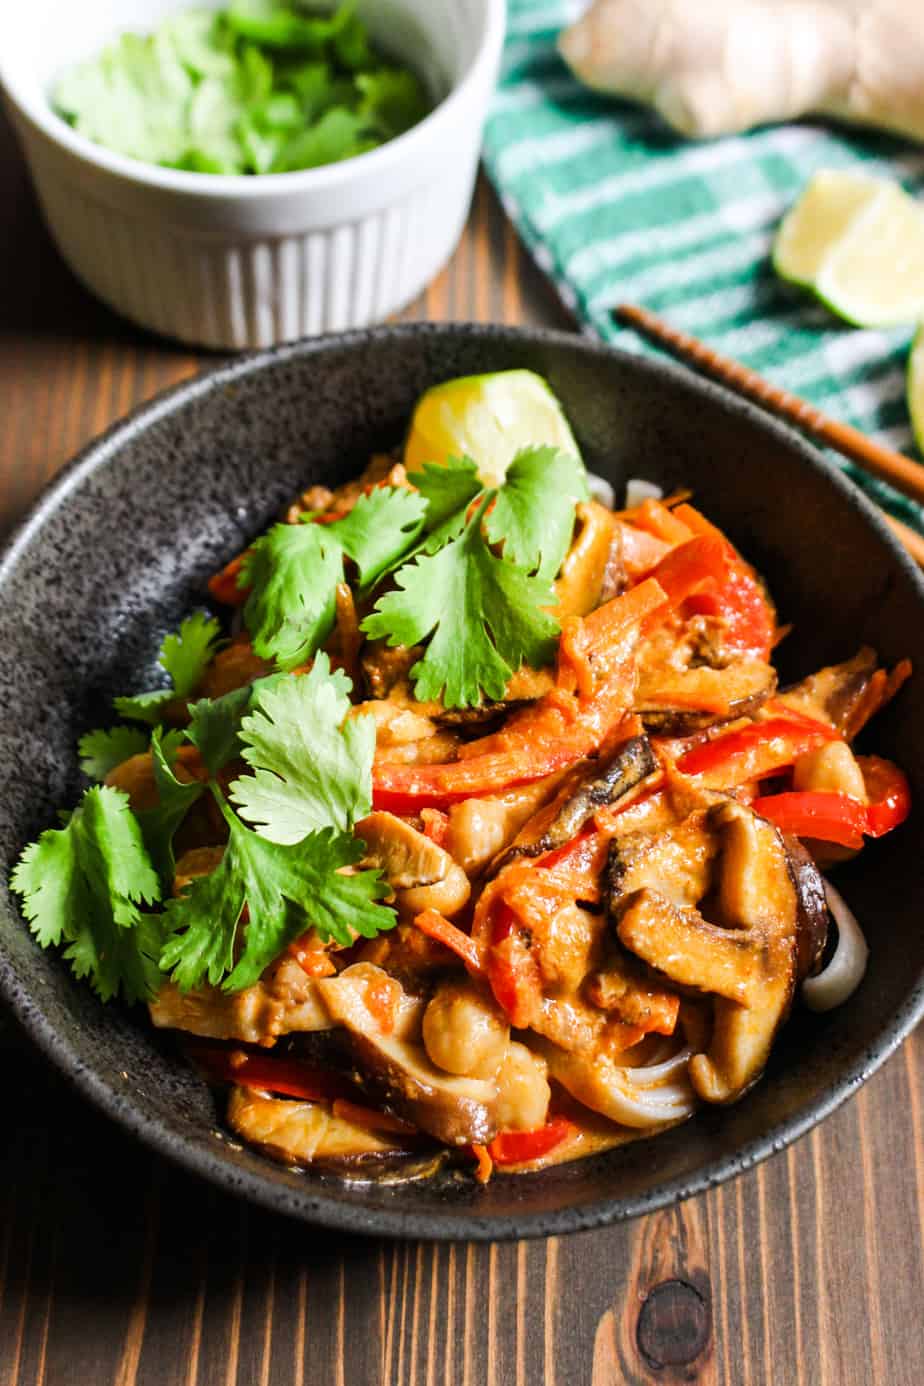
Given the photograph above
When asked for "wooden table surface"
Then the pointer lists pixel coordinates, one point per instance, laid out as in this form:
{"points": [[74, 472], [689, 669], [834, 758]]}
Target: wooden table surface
{"points": [[116, 1268]]}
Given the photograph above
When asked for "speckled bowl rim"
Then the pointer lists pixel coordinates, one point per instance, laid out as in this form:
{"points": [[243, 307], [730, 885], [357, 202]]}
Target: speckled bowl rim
{"points": [[314, 1205]]}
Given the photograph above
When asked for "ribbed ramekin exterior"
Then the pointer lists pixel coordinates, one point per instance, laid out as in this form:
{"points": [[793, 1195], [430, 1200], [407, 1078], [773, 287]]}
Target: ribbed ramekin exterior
{"points": [[240, 292]]}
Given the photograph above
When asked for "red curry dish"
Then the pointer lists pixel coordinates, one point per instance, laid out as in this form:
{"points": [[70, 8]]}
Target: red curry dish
{"points": [[592, 892]]}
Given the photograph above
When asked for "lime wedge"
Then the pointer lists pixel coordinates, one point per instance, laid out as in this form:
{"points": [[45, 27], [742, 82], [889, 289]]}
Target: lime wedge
{"points": [[916, 387], [489, 418], [874, 275], [824, 211]]}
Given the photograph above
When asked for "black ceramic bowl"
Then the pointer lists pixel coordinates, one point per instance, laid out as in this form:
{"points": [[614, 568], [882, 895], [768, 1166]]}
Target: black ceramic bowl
{"points": [[120, 548]]}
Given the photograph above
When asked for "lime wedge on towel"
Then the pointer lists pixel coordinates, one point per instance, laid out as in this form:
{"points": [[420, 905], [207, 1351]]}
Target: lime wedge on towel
{"points": [[916, 387], [859, 244], [489, 418], [817, 220]]}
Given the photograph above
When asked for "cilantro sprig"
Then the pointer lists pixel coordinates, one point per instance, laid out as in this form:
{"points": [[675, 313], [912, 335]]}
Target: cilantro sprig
{"points": [[311, 763], [477, 585], [482, 614], [83, 887], [184, 657], [293, 570], [91, 885]]}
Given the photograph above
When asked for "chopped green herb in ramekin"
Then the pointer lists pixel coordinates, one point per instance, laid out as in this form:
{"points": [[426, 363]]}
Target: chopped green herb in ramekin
{"points": [[264, 86]]}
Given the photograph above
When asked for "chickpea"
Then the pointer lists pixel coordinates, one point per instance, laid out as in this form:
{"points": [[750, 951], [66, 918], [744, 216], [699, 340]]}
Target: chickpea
{"points": [[523, 1090], [833, 767], [464, 1032], [447, 896]]}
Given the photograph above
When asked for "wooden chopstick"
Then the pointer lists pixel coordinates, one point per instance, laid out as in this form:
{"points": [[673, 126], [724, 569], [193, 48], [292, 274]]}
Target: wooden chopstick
{"points": [[899, 471]]}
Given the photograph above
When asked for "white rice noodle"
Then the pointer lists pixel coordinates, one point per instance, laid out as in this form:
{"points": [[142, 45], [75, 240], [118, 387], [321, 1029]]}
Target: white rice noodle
{"points": [[646, 1075], [639, 1107], [844, 972], [601, 490], [638, 490], [639, 1095]]}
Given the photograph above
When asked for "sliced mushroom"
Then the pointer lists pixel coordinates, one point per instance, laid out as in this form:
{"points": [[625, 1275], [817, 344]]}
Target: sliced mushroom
{"points": [[456, 1110], [676, 861], [422, 875], [283, 1002], [692, 952], [589, 562], [813, 918], [680, 701], [836, 692], [585, 790], [305, 1133], [747, 960]]}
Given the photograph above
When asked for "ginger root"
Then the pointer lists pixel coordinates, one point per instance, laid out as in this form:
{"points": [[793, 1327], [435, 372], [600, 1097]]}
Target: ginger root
{"points": [[715, 67]]}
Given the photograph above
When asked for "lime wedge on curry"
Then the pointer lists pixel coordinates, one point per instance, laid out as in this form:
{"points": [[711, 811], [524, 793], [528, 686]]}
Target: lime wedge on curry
{"points": [[489, 418], [916, 387], [832, 198], [858, 243]]}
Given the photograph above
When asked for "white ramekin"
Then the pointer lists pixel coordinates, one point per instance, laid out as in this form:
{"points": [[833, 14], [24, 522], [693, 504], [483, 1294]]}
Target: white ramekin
{"points": [[237, 262]]}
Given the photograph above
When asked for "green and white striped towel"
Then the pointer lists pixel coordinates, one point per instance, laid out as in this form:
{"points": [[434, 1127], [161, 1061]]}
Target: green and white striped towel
{"points": [[613, 206]]}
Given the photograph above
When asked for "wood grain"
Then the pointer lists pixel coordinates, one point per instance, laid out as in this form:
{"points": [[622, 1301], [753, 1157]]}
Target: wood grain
{"points": [[118, 1270]]}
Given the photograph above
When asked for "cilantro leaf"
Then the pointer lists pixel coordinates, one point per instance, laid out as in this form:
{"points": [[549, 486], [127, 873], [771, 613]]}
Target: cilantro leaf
{"points": [[311, 768], [102, 750], [286, 889], [176, 798], [393, 100], [215, 724], [83, 885], [483, 613], [293, 572], [278, 24], [338, 134], [448, 490], [379, 529], [533, 514], [185, 656]]}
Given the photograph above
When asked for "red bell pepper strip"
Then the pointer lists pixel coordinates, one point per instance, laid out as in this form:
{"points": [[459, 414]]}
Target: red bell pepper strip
{"points": [[833, 817], [553, 733], [753, 751], [741, 600], [432, 923], [285, 1076], [512, 971], [519, 1147], [889, 795], [825, 815]]}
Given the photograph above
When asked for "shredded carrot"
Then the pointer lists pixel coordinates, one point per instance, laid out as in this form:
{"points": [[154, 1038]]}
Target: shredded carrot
{"points": [[223, 586], [432, 923], [369, 1117], [312, 959], [654, 516], [381, 999], [484, 1165]]}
